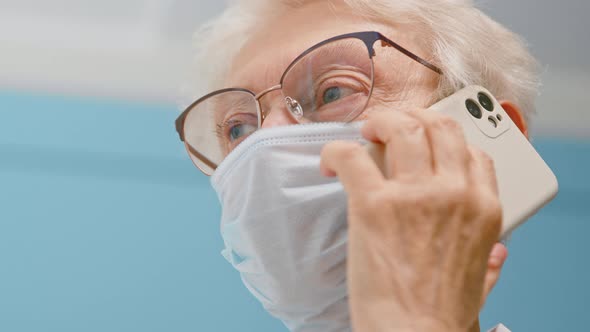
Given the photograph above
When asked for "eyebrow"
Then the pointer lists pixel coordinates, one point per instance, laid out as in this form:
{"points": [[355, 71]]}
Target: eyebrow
{"points": [[343, 45], [223, 107], [271, 73], [323, 52]]}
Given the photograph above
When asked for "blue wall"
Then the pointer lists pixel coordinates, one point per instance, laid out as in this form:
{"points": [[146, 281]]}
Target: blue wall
{"points": [[105, 225]]}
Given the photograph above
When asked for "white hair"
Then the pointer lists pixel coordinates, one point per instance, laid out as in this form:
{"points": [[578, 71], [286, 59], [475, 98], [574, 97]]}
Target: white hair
{"points": [[466, 44]]}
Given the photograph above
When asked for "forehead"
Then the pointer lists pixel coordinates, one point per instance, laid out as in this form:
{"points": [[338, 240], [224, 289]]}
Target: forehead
{"points": [[277, 41]]}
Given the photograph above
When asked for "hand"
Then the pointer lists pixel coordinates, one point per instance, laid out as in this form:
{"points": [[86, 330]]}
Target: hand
{"points": [[421, 230]]}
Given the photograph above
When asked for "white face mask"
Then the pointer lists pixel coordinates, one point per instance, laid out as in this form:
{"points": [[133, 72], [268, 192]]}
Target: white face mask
{"points": [[284, 225]]}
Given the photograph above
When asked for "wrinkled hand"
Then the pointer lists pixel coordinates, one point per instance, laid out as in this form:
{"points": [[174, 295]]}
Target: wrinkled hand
{"points": [[421, 230]]}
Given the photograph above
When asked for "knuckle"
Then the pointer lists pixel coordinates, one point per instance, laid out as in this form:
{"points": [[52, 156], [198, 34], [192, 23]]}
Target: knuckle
{"points": [[412, 126], [375, 201], [492, 214], [347, 150], [479, 154], [378, 118], [483, 160], [487, 208], [446, 122], [456, 190], [487, 160], [492, 206], [476, 151], [386, 197]]}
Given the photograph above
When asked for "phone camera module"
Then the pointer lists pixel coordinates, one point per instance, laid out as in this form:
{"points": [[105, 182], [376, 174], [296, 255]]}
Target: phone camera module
{"points": [[473, 108], [486, 102]]}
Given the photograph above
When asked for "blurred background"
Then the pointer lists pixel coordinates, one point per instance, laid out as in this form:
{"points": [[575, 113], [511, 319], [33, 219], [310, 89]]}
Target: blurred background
{"points": [[105, 225]]}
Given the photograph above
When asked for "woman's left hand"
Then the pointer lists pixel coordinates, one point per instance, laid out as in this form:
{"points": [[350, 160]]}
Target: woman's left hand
{"points": [[421, 228]]}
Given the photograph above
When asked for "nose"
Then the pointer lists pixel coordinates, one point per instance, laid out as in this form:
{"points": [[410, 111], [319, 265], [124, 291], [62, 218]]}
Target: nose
{"points": [[277, 114]]}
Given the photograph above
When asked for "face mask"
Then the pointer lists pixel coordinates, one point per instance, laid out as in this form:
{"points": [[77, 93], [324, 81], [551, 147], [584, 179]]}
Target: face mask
{"points": [[284, 225]]}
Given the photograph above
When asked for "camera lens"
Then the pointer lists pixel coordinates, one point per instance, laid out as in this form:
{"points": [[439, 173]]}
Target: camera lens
{"points": [[473, 108], [485, 101]]}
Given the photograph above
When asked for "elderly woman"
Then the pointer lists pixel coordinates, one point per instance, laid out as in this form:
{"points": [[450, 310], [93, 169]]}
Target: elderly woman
{"points": [[325, 237]]}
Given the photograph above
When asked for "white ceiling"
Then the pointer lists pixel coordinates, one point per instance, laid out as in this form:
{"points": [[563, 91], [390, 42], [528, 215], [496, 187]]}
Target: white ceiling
{"points": [[139, 49]]}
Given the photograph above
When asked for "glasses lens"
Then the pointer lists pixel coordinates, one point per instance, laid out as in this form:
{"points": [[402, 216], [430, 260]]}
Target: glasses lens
{"points": [[216, 125], [332, 83]]}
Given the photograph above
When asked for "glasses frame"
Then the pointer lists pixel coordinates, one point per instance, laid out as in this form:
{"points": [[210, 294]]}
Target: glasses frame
{"points": [[369, 38]]}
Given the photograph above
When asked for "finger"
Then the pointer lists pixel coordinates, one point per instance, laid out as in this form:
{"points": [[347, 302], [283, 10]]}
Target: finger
{"points": [[407, 151], [482, 170], [498, 256], [475, 326], [496, 261], [351, 162], [447, 141]]}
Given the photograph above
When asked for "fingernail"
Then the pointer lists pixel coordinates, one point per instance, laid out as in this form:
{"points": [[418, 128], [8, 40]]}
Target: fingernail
{"points": [[498, 256], [495, 261]]}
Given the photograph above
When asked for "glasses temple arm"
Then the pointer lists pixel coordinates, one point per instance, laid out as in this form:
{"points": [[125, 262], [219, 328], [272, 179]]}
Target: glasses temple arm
{"points": [[411, 55], [201, 157]]}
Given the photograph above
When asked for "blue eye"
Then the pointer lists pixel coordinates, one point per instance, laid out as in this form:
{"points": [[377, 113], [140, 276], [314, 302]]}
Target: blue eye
{"points": [[240, 130], [332, 94]]}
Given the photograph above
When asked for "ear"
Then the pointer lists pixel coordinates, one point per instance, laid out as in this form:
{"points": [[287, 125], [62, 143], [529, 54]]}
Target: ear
{"points": [[516, 116]]}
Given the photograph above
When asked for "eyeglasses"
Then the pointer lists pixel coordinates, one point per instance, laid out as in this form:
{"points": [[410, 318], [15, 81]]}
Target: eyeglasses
{"points": [[330, 82]]}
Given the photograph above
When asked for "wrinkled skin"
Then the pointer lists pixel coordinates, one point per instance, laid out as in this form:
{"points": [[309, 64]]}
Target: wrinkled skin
{"points": [[421, 232], [422, 252]]}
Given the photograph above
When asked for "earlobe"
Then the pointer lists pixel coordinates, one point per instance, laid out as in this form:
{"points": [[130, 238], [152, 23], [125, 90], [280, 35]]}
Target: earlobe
{"points": [[516, 115]]}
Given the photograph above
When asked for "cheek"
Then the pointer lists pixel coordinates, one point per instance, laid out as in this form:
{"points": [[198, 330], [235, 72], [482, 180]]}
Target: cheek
{"points": [[405, 85], [404, 102], [403, 93]]}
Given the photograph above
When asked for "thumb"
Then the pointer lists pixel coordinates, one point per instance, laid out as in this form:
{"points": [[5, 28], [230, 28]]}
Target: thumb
{"points": [[495, 262]]}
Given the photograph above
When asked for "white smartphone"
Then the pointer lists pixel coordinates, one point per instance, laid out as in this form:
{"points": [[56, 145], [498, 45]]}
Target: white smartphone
{"points": [[525, 181]]}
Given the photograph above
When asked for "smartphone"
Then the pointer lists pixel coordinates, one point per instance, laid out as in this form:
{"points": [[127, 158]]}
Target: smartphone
{"points": [[525, 182]]}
